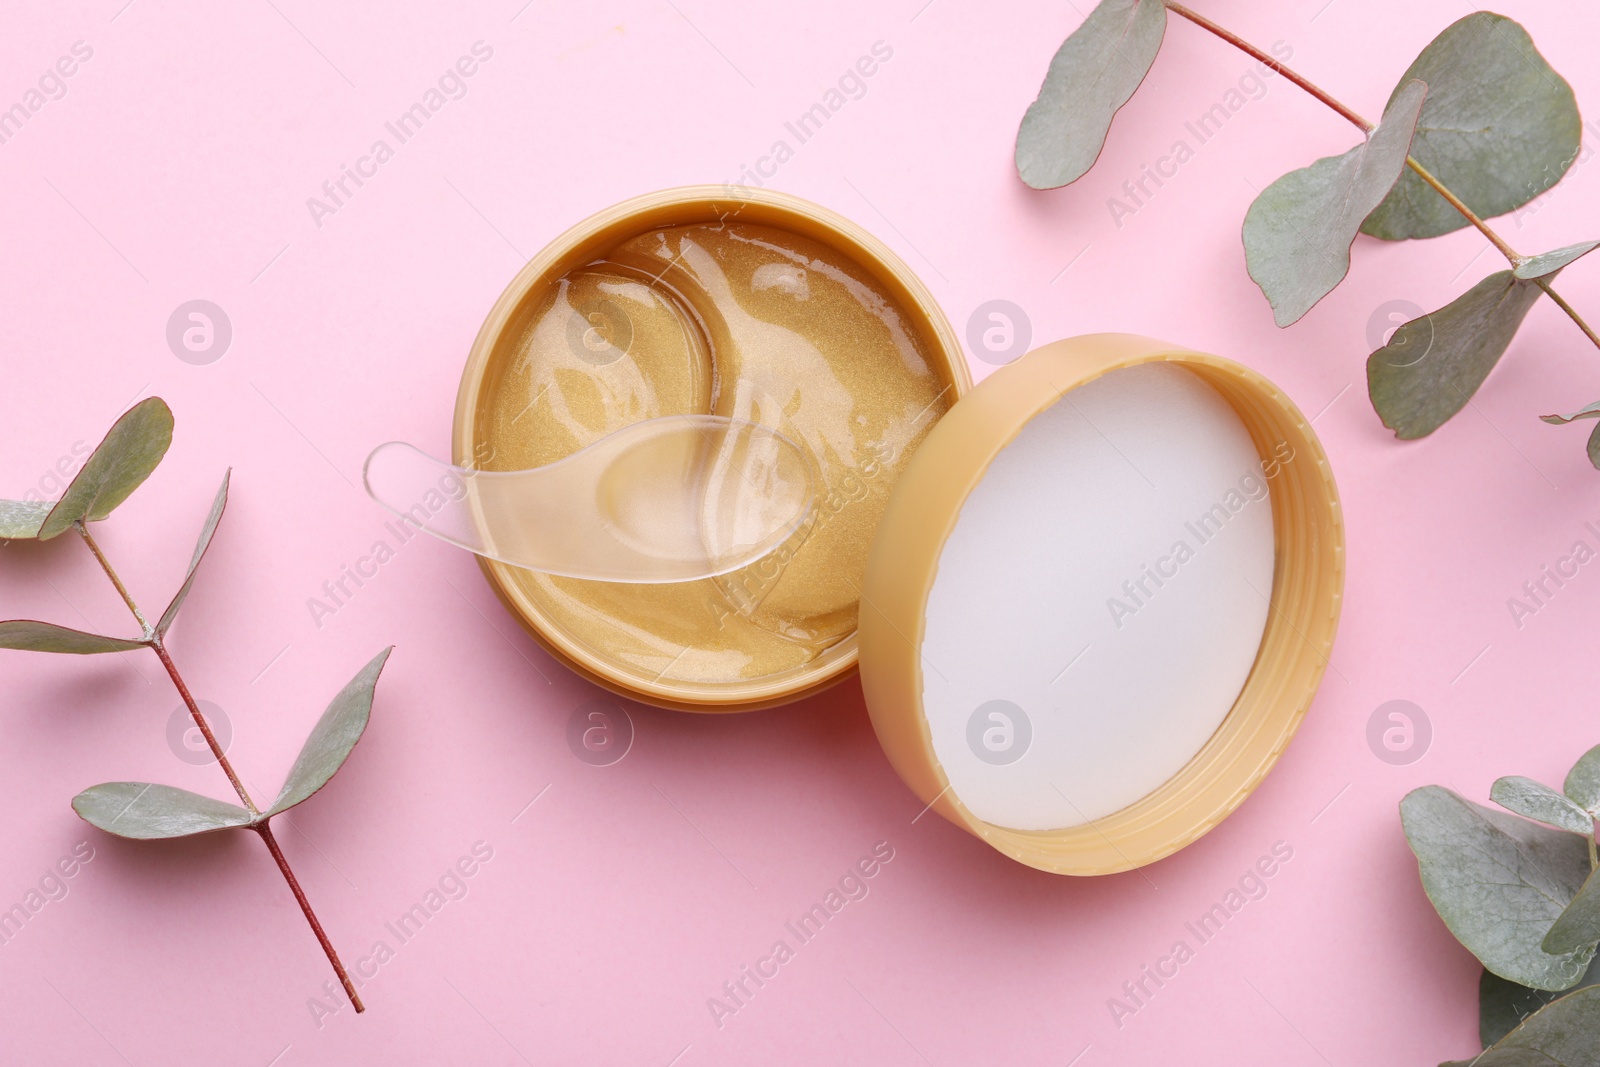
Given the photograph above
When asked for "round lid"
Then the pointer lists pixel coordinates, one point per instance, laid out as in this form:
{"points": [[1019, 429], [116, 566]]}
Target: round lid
{"points": [[1101, 600]]}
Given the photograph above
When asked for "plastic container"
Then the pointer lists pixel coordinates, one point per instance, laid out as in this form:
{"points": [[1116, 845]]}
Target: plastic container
{"points": [[496, 348], [951, 462], [1306, 596]]}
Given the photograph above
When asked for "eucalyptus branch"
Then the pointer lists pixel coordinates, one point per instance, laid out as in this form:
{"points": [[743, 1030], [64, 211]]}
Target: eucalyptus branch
{"points": [[105, 565], [1269, 62], [146, 811], [262, 827], [1534, 925], [1355, 119]]}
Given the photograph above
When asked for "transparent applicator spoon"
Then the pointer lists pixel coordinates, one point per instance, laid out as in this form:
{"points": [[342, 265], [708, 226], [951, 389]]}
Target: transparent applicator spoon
{"points": [[670, 499]]}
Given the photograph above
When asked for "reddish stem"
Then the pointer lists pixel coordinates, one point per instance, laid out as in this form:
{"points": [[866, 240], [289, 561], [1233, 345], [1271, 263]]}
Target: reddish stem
{"points": [[265, 830], [1251, 50], [200, 721], [1467, 213], [153, 639], [105, 565]]}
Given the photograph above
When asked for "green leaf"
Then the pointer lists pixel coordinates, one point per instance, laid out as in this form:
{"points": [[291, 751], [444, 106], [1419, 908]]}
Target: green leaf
{"points": [[1579, 926], [1498, 882], [1298, 232], [1499, 128], [206, 533], [1502, 1005], [1546, 264], [146, 812], [1559, 1035], [30, 636], [119, 465], [1540, 803], [1590, 412], [1093, 74], [331, 740], [20, 519], [1432, 365], [1583, 781]]}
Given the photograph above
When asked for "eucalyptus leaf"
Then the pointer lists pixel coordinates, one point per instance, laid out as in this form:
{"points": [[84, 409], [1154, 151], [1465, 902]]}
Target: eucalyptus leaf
{"points": [[206, 533], [1579, 926], [21, 519], [145, 812], [331, 740], [1498, 882], [1562, 1034], [1590, 412], [1583, 781], [1093, 74], [119, 465], [1502, 1005], [29, 635], [1539, 802], [1499, 128], [1547, 263], [1298, 232], [1459, 345]]}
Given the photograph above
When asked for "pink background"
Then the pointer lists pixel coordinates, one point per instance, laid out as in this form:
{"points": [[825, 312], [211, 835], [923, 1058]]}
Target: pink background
{"points": [[178, 165]]}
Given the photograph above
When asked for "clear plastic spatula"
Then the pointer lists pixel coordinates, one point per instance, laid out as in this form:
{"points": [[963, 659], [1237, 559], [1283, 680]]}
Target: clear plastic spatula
{"points": [[670, 499]]}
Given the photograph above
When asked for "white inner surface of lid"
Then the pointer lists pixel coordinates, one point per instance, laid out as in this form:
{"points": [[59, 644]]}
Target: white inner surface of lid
{"points": [[1101, 601]]}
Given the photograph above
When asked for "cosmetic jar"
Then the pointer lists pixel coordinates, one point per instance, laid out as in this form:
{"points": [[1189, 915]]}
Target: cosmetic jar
{"points": [[884, 364], [1090, 599]]}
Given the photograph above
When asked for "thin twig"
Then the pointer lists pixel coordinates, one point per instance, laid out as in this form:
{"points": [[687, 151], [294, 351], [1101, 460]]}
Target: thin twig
{"points": [[1512, 256], [105, 565], [205, 727], [262, 828], [1564, 306], [1249, 49], [153, 639]]}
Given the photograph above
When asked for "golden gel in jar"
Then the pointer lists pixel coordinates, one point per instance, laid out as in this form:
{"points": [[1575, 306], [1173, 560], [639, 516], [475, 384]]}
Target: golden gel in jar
{"points": [[769, 311]]}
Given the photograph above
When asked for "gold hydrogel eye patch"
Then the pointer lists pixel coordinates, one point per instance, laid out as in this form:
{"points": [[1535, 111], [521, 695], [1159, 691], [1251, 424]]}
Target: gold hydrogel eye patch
{"points": [[753, 323], [608, 351]]}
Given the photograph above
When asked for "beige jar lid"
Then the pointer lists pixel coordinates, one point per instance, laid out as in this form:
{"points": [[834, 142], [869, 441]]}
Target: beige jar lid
{"points": [[1307, 584]]}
